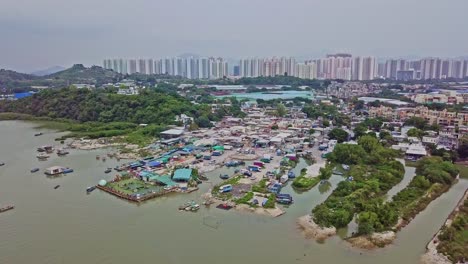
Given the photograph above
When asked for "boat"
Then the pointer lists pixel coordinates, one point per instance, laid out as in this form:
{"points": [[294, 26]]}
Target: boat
{"points": [[291, 174], [108, 170], [224, 177], [56, 187], [90, 189], [62, 152], [67, 170], [38, 134], [34, 170], [2, 163], [97, 157], [103, 158], [40, 149], [42, 156], [7, 208], [284, 178]]}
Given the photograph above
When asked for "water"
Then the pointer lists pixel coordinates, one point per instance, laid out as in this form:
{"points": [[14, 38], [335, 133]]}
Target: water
{"points": [[274, 95], [67, 226]]}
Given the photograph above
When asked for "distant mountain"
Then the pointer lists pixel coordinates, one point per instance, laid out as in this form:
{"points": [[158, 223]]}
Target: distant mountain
{"points": [[48, 71], [76, 74]]}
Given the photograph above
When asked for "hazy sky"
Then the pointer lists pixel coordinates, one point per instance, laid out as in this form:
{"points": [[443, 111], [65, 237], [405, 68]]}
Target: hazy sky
{"points": [[36, 34]]}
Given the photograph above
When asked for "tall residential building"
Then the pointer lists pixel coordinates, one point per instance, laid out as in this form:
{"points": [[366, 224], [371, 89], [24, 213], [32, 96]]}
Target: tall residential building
{"points": [[132, 66], [122, 66], [150, 66], [142, 66]]}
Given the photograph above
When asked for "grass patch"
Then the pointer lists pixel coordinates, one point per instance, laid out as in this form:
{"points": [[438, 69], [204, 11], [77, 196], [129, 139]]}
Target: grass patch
{"points": [[463, 170], [246, 199], [305, 183], [134, 186], [270, 203], [260, 187]]}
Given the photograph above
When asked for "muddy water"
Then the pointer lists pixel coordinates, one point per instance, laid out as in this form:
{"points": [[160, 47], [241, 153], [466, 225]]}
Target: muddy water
{"points": [[65, 225]]}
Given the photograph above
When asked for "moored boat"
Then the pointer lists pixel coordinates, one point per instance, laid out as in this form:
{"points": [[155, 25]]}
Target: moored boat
{"points": [[34, 170], [224, 176], [42, 156], [62, 152], [2, 164], [90, 189], [291, 174], [7, 208], [108, 170], [38, 134], [67, 170], [56, 187]]}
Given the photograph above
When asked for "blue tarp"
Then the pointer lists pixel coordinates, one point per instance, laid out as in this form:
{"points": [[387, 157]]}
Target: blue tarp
{"points": [[154, 163]]}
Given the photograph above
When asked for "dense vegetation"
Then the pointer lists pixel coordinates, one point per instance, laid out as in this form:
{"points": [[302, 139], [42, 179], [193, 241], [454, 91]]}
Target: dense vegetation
{"points": [[453, 240], [16, 82], [373, 172], [99, 113], [434, 177]]}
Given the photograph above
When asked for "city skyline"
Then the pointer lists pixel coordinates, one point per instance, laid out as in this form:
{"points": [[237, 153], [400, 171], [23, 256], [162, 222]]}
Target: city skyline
{"points": [[333, 66], [36, 36]]}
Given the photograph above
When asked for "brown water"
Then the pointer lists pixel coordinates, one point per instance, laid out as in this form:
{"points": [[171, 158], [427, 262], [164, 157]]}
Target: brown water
{"points": [[67, 226]]}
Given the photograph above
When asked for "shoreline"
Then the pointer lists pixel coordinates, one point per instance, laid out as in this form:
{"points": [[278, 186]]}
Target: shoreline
{"points": [[311, 230], [432, 256]]}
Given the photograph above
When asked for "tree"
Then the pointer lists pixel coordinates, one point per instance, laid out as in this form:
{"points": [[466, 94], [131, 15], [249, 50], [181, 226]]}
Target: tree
{"points": [[347, 154], [415, 132], [385, 135], [369, 143], [325, 123], [463, 147], [360, 130], [281, 110], [418, 122], [203, 121], [339, 134]]}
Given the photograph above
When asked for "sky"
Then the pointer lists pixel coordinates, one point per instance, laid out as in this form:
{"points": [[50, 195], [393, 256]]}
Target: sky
{"points": [[36, 34]]}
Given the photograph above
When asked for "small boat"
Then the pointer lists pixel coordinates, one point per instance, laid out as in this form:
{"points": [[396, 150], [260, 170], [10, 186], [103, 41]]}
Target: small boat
{"points": [[90, 189], [103, 159], [224, 177], [284, 178], [67, 170], [2, 164], [38, 134], [291, 174], [97, 157], [40, 149], [108, 170], [7, 208], [42, 156], [56, 187], [34, 170], [62, 152]]}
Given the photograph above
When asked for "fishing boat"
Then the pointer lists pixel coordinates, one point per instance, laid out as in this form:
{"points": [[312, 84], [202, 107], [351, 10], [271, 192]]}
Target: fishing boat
{"points": [[42, 156], [34, 170], [56, 187], [224, 177], [90, 189], [108, 170], [62, 152], [38, 134], [7, 208]]}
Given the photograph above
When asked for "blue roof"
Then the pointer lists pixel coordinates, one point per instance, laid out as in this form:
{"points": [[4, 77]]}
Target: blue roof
{"points": [[182, 175], [22, 95]]}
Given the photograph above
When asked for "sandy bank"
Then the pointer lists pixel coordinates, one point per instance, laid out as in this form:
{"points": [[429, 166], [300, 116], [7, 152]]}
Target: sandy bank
{"points": [[372, 241], [274, 212], [312, 230]]}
